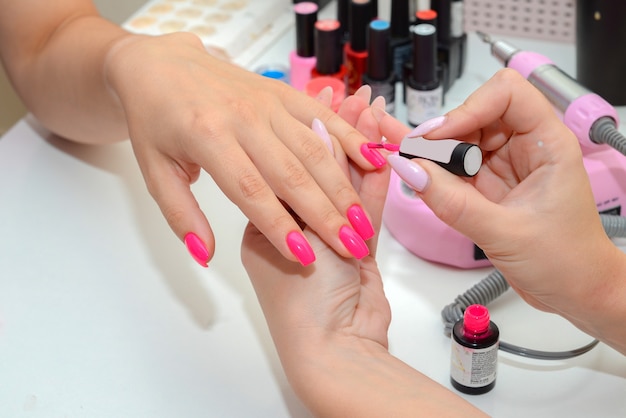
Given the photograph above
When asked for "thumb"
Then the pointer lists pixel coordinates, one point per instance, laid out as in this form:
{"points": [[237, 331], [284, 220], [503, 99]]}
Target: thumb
{"points": [[453, 200]]}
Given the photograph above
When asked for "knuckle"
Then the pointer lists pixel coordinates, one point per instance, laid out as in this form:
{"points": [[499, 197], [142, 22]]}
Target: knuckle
{"points": [[345, 192], [174, 216], [314, 150], [252, 186], [295, 176], [330, 217], [246, 112], [281, 222], [450, 209]]}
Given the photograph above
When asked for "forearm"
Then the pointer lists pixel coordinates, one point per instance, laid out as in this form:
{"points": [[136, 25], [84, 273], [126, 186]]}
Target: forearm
{"points": [[348, 376], [58, 70]]}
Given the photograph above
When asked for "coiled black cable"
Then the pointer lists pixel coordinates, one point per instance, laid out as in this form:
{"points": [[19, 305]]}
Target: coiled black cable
{"points": [[495, 284]]}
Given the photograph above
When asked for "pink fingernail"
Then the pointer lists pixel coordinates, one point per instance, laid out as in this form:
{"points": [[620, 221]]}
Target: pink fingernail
{"points": [[353, 242], [299, 246], [373, 156], [427, 126], [320, 129], [197, 249], [359, 221], [410, 172]]}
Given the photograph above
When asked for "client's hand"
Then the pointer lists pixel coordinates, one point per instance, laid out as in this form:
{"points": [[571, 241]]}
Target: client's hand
{"points": [[329, 320]]}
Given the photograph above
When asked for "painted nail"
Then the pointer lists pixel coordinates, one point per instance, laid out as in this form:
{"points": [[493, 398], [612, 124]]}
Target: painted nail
{"points": [[320, 129], [359, 221], [427, 126], [299, 246], [353, 242], [409, 171], [373, 156], [197, 249]]}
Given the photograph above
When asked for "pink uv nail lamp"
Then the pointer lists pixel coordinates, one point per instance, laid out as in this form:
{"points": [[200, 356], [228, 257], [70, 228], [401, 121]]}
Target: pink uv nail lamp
{"points": [[417, 228]]}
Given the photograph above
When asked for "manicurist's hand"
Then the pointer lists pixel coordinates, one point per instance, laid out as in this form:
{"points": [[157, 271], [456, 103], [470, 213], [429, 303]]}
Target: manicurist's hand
{"points": [[329, 320], [188, 111], [530, 207]]}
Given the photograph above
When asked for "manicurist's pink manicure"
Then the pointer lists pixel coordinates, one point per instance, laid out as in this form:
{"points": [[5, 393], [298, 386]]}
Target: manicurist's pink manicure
{"points": [[197, 249], [427, 126], [299, 246]]}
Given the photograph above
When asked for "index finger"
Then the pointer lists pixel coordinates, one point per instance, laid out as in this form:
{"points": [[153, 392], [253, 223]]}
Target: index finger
{"points": [[507, 103]]}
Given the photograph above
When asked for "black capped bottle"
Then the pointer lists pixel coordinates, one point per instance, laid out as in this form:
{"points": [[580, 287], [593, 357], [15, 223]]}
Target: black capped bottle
{"points": [[474, 357]]}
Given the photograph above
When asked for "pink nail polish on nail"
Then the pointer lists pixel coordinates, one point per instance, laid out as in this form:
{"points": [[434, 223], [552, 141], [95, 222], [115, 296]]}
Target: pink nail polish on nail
{"points": [[299, 246], [197, 249], [359, 221], [320, 129], [373, 156], [427, 126], [353, 242], [409, 171]]}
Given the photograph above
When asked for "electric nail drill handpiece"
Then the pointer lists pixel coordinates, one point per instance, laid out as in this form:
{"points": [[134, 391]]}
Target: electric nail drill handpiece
{"points": [[592, 119]]}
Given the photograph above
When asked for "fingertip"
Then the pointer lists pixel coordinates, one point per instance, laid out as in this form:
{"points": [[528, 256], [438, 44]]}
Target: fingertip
{"points": [[364, 92], [379, 103], [325, 96], [300, 247], [197, 249]]}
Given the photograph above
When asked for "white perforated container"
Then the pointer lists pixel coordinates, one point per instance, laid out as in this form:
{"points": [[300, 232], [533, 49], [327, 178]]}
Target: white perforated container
{"points": [[550, 20], [239, 30]]}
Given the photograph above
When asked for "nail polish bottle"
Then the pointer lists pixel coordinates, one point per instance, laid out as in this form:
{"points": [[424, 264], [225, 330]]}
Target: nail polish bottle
{"points": [[458, 39], [424, 92], [474, 357], [374, 9], [328, 52], [426, 16], [400, 44], [315, 85], [355, 50], [342, 17], [302, 59], [379, 75], [452, 39]]}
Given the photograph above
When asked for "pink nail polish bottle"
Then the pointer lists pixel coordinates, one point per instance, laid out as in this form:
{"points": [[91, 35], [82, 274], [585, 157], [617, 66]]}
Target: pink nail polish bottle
{"points": [[302, 60], [474, 358]]}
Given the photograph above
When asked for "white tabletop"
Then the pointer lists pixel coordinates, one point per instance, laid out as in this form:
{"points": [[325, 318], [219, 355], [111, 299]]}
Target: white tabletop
{"points": [[104, 314]]}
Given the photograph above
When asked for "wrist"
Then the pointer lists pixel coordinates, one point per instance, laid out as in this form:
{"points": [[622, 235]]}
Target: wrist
{"points": [[600, 310], [345, 375], [116, 63]]}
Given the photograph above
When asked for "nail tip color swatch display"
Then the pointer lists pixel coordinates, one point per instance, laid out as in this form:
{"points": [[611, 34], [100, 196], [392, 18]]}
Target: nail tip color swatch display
{"points": [[238, 30]]}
